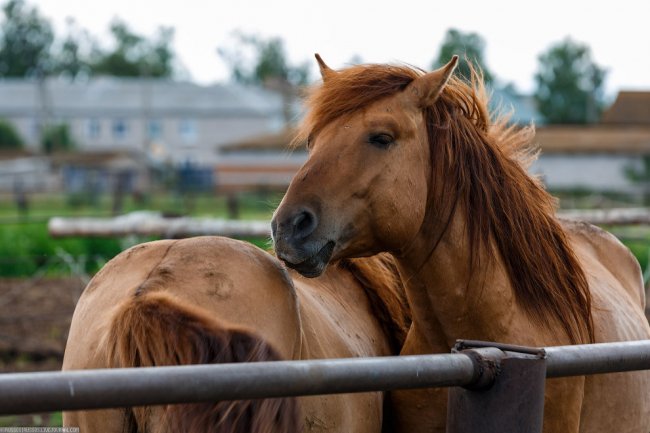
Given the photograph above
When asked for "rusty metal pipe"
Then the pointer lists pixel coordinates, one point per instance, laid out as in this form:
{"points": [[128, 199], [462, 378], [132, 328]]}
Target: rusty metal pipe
{"points": [[109, 388], [92, 389], [598, 358]]}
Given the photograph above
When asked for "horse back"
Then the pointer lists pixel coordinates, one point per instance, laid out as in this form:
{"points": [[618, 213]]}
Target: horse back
{"points": [[601, 252], [217, 286], [613, 402]]}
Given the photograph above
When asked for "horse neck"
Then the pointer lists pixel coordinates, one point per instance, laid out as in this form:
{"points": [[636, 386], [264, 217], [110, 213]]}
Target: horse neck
{"points": [[448, 299]]}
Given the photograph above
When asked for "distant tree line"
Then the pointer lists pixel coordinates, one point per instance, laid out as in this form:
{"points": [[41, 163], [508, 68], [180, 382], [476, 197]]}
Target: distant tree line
{"points": [[29, 48], [256, 60], [569, 85]]}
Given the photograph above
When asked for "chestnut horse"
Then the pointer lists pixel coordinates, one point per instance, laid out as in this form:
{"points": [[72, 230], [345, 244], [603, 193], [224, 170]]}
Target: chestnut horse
{"points": [[411, 163], [213, 299]]}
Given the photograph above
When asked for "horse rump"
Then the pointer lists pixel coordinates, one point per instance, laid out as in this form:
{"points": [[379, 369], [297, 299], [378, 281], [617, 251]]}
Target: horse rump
{"points": [[157, 329]]}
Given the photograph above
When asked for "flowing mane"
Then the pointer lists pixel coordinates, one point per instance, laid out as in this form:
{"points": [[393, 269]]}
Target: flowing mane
{"points": [[479, 167]]}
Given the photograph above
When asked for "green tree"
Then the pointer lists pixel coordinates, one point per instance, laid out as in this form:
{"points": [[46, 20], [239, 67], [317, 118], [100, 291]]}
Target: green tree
{"points": [[9, 137], [264, 62], [25, 41], [260, 61], [71, 57], [469, 47], [639, 173], [57, 138], [134, 55], [569, 84]]}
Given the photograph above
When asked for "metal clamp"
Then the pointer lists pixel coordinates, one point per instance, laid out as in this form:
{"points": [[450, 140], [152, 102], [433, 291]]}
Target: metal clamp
{"points": [[477, 344], [510, 381], [487, 356]]}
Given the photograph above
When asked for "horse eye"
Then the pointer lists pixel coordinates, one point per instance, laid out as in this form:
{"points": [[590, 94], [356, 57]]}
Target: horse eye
{"points": [[381, 141]]}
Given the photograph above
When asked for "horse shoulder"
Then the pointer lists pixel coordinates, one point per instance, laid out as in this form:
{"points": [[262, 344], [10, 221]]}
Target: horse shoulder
{"points": [[337, 317], [337, 323]]}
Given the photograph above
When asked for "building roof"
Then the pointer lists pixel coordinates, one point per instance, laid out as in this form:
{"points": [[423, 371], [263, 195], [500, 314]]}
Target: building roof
{"points": [[594, 139], [629, 108], [551, 139], [107, 159], [625, 128], [272, 142], [108, 95], [9, 154]]}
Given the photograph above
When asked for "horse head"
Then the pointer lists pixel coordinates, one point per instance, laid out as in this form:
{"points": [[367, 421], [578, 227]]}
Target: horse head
{"points": [[364, 186]]}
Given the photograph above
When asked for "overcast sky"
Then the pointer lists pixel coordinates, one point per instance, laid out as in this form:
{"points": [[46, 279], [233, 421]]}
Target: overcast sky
{"points": [[410, 31]]}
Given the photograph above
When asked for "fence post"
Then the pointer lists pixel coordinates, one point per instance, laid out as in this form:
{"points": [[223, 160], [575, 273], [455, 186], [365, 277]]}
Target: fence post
{"points": [[508, 395]]}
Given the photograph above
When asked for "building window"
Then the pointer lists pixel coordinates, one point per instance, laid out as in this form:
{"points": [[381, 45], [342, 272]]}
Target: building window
{"points": [[94, 128], [187, 130], [34, 130], [155, 130], [120, 129]]}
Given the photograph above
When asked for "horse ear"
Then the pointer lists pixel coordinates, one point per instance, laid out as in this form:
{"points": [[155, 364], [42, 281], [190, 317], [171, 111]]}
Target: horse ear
{"points": [[325, 71], [426, 89]]}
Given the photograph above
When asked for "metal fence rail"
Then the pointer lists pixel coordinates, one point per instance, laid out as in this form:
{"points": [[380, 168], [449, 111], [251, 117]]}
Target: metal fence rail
{"points": [[562, 361], [92, 389], [88, 389]]}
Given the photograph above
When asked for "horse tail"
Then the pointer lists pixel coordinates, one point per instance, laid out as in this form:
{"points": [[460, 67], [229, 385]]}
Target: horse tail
{"points": [[157, 329]]}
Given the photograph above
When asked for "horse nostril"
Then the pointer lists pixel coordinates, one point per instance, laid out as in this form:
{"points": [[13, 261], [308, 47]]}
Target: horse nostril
{"points": [[304, 224]]}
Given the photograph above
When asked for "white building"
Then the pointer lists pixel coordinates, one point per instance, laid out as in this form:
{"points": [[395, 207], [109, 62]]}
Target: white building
{"points": [[165, 120], [598, 157], [572, 158]]}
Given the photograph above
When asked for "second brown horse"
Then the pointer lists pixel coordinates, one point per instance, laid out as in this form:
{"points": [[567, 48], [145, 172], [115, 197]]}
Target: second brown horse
{"points": [[212, 299]]}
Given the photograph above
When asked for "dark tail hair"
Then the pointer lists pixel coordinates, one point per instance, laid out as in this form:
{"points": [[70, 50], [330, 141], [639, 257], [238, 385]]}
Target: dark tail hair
{"points": [[157, 329]]}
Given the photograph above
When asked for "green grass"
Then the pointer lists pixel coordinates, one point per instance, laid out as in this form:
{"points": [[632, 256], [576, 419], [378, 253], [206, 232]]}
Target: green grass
{"points": [[252, 205], [641, 250], [54, 419], [26, 249]]}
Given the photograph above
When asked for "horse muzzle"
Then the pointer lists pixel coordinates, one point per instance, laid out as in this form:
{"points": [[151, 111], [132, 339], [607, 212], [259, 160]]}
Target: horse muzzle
{"points": [[296, 243]]}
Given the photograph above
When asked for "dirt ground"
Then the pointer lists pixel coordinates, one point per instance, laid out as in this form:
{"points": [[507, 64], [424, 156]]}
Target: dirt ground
{"points": [[34, 321], [35, 317]]}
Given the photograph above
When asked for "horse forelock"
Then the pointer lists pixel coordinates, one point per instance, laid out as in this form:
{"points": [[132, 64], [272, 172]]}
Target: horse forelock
{"points": [[479, 165], [349, 90]]}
